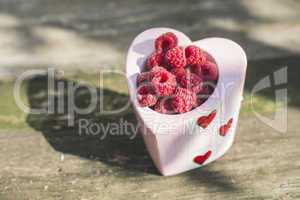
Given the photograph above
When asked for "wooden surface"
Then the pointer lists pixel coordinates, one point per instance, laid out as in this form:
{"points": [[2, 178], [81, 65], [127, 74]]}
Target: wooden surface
{"points": [[263, 164], [48, 160]]}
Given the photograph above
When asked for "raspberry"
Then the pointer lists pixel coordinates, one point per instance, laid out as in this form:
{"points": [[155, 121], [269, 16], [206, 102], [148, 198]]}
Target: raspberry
{"points": [[175, 57], [194, 55], [146, 96], [175, 78], [196, 69], [156, 69], [155, 59], [209, 71], [164, 106], [147, 76], [192, 82], [164, 83], [178, 72], [165, 42], [183, 100]]}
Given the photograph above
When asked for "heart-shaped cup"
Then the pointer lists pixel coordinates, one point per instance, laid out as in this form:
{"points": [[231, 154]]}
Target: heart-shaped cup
{"points": [[176, 142]]}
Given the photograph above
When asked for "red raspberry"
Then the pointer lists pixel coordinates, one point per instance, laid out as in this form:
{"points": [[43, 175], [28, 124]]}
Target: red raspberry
{"points": [[192, 82], [164, 83], [146, 96], [196, 69], [175, 57], [183, 100], [164, 106], [156, 69], [155, 59], [178, 72], [209, 71], [147, 76], [194, 55], [165, 42]]}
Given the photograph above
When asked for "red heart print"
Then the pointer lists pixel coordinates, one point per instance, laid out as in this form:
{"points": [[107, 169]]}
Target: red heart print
{"points": [[202, 158], [224, 129], [204, 121]]}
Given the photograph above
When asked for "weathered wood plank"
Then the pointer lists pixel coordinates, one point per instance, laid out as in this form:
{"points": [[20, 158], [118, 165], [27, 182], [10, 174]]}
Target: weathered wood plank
{"points": [[263, 164]]}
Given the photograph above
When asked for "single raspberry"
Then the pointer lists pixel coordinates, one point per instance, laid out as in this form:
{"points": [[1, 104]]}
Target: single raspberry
{"points": [[164, 83], [147, 76], [165, 42], [164, 106], [194, 55], [155, 59], [209, 71], [196, 69], [156, 69], [183, 100], [175, 57], [178, 72], [146, 96], [192, 82]]}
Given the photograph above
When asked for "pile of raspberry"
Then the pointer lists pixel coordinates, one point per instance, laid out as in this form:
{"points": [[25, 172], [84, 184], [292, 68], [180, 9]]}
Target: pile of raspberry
{"points": [[176, 79]]}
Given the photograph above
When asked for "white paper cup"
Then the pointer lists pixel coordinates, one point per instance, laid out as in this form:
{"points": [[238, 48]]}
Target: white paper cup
{"points": [[174, 141]]}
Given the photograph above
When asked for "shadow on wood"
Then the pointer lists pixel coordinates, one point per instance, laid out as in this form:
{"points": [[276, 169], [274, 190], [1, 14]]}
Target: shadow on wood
{"points": [[259, 69], [98, 141], [114, 150]]}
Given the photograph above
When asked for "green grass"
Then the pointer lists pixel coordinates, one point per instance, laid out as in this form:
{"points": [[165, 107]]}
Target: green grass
{"points": [[12, 117], [260, 104]]}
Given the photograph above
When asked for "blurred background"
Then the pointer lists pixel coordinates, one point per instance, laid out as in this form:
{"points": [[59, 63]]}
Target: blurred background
{"points": [[41, 157], [88, 35]]}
